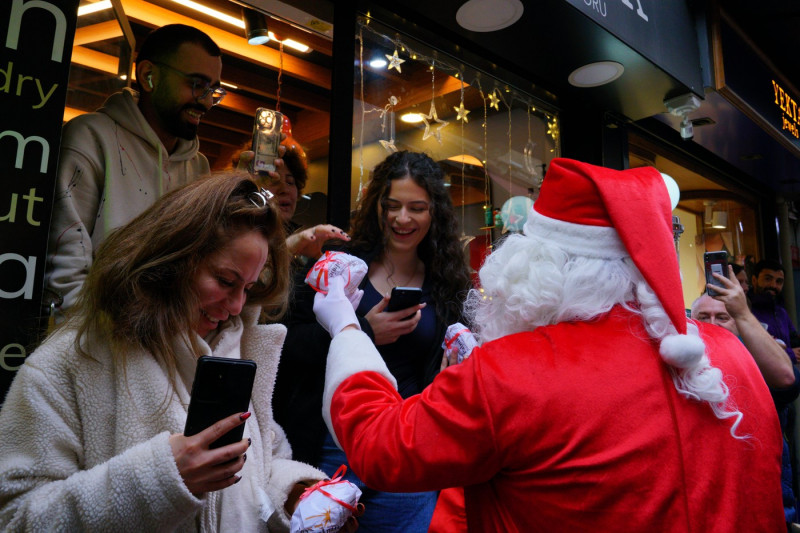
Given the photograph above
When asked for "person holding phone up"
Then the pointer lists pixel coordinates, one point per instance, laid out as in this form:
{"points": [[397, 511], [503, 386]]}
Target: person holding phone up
{"points": [[406, 231], [92, 427], [286, 182]]}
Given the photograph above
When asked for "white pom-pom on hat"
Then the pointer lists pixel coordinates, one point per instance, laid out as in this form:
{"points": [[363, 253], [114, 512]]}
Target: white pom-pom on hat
{"points": [[672, 189], [681, 351]]}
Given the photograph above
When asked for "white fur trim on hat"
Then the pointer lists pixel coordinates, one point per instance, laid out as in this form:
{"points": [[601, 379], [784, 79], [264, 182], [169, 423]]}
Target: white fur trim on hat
{"points": [[682, 351], [602, 242]]}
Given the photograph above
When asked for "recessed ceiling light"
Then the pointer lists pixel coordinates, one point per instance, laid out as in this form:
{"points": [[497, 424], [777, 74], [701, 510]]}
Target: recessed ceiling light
{"points": [[596, 74], [489, 15], [93, 8]]}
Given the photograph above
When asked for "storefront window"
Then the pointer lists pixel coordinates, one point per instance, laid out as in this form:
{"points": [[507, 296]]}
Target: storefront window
{"points": [[493, 141], [711, 225], [101, 57]]}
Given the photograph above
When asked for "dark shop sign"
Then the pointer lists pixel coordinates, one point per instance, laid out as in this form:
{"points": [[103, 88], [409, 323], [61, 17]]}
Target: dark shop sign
{"points": [[755, 88], [661, 31], [36, 39]]}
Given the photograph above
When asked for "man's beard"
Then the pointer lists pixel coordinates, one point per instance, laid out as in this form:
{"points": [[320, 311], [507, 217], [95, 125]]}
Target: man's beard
{"points": [[772, 293], [173, 120], [178, 126]]}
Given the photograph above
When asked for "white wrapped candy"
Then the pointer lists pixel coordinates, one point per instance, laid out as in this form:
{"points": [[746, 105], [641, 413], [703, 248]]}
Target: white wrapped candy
{"points": [[458, 336], [333, 264], [326, 506]]}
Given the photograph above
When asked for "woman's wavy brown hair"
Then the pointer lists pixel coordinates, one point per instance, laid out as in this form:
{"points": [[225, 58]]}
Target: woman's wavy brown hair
{"points": [[140, 293], [440, 250]]}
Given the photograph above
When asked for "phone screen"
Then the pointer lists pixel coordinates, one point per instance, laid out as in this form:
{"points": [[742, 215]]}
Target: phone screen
{"points": [[221, 388], [715, 263]]}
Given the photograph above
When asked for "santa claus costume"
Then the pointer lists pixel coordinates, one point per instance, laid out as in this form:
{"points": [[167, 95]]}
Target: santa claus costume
{"points": [[592, 403]]}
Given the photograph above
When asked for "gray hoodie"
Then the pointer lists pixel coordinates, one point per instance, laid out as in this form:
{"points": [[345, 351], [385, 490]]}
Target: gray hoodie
{"points": [[112, 167]]}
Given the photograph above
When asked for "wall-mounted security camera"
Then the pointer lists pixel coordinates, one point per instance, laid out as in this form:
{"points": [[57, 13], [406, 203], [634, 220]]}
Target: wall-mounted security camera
{"points": [[681, 106], [687, 129]]}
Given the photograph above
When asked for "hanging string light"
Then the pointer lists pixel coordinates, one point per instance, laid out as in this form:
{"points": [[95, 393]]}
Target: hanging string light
{"points": [[280, 77], [363, 115], [432, 116]]}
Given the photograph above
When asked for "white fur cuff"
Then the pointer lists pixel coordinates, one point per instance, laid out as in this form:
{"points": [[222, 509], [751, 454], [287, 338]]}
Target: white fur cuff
{"points": [[351, 351]]}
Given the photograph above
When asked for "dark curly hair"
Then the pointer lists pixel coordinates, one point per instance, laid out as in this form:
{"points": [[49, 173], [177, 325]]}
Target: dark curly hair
{"points": [[440, 250]]}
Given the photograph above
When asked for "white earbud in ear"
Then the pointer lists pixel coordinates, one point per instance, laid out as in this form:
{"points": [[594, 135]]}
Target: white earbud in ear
{"points": [[150, 80]]}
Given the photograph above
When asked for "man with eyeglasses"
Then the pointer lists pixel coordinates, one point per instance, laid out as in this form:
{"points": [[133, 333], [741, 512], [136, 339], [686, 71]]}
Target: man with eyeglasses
{"points": [[119, 160]]}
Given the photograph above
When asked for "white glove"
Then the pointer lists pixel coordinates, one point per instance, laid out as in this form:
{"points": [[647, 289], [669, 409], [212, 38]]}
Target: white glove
{"points": [[335, 311]]}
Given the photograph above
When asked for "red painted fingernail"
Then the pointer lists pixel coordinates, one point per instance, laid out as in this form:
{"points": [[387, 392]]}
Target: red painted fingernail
{"points": [[244, 416], [249, 441], [244, 457], [238, 479]]}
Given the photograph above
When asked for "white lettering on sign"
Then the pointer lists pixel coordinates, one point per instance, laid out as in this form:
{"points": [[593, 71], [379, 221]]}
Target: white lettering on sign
{"points": [[22, 142], [601, 7], [639, 10], [6, 355], [30, 269], [6, 77], [18, 9], [11, 215]]}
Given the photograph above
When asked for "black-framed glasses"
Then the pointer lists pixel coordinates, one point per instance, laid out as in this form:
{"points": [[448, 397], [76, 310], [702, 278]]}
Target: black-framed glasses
{"points": [[200, 88]]}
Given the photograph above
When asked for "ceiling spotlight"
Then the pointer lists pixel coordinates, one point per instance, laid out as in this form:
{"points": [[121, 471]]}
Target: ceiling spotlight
{"points": [[378, 62], [596, 74], [719, 220], [411, 118], [255, 26], [489, 15]]}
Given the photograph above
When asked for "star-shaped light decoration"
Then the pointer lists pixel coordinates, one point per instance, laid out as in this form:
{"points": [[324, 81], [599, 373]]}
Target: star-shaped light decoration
{"points": [[494, 101], [461, 113], [465, 240], [388, 145], [433, 116], [394, 61]]}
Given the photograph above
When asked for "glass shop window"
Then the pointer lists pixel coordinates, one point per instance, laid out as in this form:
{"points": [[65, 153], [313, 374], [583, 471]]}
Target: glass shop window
{"points": [[290, 73], [493, 141], [711, 225]]}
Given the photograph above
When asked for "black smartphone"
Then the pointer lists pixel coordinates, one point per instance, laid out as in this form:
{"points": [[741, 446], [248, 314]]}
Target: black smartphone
{"points": [[221, 388], [403, 298], [716, 263], [266, 139]]}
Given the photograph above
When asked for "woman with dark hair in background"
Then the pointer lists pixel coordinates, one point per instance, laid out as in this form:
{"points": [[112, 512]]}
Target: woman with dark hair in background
{"points": [[407, 233], [92, 427]]}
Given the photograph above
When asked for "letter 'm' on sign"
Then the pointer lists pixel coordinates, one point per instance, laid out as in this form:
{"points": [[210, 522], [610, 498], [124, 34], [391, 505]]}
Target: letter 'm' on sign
{"points": [[22, 142], [30, 270], [18, 9]]}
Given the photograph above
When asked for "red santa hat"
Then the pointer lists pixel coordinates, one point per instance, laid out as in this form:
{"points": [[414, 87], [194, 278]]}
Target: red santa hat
{"points": [[610, 214]]}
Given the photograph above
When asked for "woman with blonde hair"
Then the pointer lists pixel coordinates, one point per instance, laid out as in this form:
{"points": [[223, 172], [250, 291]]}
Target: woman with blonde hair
{"points": [[93, 423]]}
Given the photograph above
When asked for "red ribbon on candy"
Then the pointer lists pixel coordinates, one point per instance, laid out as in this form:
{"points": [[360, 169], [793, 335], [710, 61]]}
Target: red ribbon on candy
{"points": [[322, 267], [449, 344], [337, 478]]}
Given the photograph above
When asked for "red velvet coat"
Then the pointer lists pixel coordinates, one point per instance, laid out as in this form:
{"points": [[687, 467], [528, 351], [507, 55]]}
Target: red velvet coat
{"points": [[573, 427]]}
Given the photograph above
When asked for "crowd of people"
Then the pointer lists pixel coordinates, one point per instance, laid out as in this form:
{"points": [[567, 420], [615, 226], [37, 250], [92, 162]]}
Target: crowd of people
{"points": [[591, 401]]}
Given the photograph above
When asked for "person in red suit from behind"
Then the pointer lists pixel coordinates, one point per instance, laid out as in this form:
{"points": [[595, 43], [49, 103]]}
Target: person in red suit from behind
{"points": [[592, 403]]}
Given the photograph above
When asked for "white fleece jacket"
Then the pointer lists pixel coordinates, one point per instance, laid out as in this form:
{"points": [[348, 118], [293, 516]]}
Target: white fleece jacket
{"points": [[112, 166], [82, 450]]}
